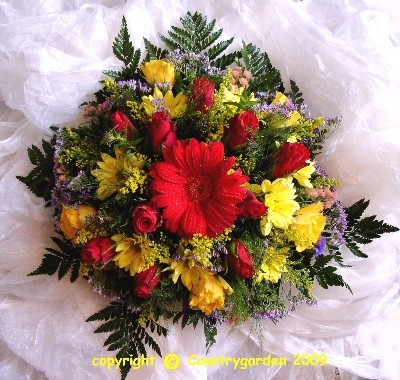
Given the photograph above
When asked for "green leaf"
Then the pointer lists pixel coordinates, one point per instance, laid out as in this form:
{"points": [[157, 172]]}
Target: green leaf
{"points": [[41, 179], [128, 335], [363, 230], [265, 76], [295, 93], [210, 332], [198, 36], [123, 49], [153, 52], [66, 259]]}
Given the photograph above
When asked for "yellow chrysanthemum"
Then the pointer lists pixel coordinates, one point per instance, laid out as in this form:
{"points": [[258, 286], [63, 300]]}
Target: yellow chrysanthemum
{"points": [[72, 219], [309, 222], [176, 106], [124, 172], [273, 265], [279, 198], [303, 175], [209, 294], [134, 254], [157, 71]]}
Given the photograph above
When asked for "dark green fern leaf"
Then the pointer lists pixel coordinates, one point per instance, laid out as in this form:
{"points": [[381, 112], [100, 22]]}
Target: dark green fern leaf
{"points": [[295, 93], [125, 52], [153, 52], [197, 36], [265, 77], [41, 180], [128, 335], [363, 230], [65, 259]]}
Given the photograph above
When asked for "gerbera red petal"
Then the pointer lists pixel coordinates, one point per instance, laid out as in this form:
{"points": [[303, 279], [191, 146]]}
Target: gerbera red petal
{"points": [[194, 189]]}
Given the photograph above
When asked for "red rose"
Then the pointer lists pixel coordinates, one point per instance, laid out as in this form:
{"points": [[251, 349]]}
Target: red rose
{"points": [[144, 282], [121, 123], [241, 262], [203, 94], [162, 131], [242, 129], [251, 207], [290, 157], [97, 250], [145, 218]]}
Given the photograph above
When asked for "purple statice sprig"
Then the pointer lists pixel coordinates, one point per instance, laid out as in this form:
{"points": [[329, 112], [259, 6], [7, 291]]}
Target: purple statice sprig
{"points": [[191, 63]]}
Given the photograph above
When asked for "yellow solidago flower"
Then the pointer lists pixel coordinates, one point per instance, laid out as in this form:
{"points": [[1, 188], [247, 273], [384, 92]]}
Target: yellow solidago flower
{"points": [[209, 294], [176, 106], [279, 198], [309, 222], [124, 173], [157, 71], [72, 219], [134, 254], [303, 175], [273, 265]]}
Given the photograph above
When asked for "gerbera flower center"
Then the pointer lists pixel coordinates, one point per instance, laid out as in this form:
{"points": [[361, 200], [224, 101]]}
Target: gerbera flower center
{"points": [[199, 188]]}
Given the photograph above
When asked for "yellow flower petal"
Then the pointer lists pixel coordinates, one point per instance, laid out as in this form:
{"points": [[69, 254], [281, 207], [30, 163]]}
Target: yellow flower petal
{"points": [[158, 71]]}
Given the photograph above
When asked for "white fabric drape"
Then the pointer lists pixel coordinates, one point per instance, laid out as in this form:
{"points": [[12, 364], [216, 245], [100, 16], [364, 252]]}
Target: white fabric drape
{"points": [[343, 54]]}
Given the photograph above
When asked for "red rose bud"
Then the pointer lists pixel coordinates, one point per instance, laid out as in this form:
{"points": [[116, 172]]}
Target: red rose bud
{"points": [[162, 131], [290, 157], [241, 263], [242, 129], [97, 250], [145, 218], [144, 282], [203, 94], [251, 207], [121, 123]]}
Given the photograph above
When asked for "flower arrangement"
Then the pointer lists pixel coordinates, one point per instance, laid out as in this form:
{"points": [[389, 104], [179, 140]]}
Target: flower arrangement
{"points": [[192, 192]]}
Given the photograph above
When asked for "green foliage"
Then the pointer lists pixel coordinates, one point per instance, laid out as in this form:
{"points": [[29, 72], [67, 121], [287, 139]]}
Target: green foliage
{"points": [[66, 259], [295, 93], [153, 52], [125, 52], [128, 333], [265, 77], [198, 36], [41, 180], [363, 230], [325, 274]]}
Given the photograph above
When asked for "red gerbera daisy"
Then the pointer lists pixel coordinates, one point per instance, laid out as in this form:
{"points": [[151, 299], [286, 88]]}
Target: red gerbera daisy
{"points": [[194, 188]]}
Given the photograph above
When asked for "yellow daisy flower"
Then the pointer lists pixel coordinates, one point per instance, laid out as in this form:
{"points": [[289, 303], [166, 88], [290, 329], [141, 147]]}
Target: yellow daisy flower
{"points": [[273, 265], [279, 198], [175, 106], [134, 254], [303, 175], [123, 173]]}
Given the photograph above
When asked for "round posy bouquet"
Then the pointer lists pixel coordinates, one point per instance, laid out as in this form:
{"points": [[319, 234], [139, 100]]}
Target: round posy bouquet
{"points": [[192, 193]]}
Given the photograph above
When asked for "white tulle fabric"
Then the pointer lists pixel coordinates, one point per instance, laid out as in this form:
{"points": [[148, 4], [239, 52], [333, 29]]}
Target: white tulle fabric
{"points": [[344, 55]]}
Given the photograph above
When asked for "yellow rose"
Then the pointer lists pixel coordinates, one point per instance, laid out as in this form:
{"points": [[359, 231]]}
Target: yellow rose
{"points": [[72, 219], [309, 222], [158, 71], [208, 294]]}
